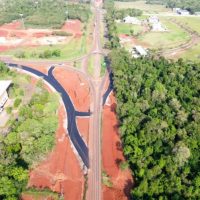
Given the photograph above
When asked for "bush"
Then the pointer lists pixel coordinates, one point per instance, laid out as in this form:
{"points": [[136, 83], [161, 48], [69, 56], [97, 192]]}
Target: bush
{"points": [[56, 53], [17, 103], [61, 33], [9, 110], [20, 54]]}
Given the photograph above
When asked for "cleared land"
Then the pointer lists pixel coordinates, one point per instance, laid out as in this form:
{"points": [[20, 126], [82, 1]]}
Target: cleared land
{"points": [[74, 46], [192, 53], [123, 28], [147, 8], [172, 38], [191, 22]]}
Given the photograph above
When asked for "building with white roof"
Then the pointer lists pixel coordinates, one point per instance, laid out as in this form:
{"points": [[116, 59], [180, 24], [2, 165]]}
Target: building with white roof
{"points": [[4, 85], [158, 27], [153, 20], [183, 12], [138, 51]]}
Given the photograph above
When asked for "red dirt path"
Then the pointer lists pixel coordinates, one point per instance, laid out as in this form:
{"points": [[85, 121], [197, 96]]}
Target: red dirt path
{"points": [[112, 154]]}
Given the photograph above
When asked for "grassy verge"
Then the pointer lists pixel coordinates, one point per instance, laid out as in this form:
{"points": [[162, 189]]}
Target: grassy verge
{"points": [[174, 37], [38, 194], [192, 53], [91, 65], [192, 22], [106, 179], [103, 66]]}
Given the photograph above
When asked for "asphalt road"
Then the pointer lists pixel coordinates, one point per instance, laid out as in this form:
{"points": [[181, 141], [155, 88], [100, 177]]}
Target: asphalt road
{"points": [[74, 135]]}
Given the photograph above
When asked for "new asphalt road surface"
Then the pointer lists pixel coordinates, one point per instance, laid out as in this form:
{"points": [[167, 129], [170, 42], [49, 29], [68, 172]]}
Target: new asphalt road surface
{"points": [[74, 135]]}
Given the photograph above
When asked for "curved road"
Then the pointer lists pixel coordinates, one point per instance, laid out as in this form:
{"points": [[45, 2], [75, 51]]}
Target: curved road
{"points": [[75, 137]]}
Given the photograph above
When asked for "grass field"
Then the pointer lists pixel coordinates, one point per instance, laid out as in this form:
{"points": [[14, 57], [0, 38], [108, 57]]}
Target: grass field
{"points": [[192, 53], [174, 37], [147, 8], [192, 22], [123, 28]]}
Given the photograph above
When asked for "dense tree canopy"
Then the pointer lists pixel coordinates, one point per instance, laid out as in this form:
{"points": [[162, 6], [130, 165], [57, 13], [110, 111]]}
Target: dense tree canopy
{"points": [[46, 13], [158, 107], [29, 137], [121, 13]]}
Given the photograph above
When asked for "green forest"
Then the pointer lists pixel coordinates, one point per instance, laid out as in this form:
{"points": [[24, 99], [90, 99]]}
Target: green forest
{"points": [[120, 14], [29, 137], [44, 13], [159, 111]]}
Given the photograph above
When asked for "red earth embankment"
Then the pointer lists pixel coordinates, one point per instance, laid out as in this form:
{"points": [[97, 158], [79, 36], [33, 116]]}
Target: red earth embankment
{"points": [[76, 86], [60, 171], [112, 155]]}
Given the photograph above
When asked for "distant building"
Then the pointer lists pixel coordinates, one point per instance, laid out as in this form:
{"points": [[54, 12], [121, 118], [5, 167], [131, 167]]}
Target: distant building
{"points": [[138, 51], [176, 9], [4, 85], [158, 27], [155, 24], [132, 20], [153, 20], [183, 12], [197, 13]]}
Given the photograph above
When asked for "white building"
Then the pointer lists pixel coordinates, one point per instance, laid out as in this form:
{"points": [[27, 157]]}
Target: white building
{"points": [[132, 20], [176, 9], [4, 85], [138, 51], [153, 20], [158, 27], [183, 12]]}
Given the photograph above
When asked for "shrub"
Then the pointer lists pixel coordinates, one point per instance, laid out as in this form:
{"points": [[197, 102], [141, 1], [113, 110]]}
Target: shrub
{"points": [[17, 102]]}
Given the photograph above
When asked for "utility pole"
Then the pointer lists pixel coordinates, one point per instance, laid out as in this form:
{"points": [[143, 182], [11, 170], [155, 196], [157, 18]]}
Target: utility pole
{"points": [[67, 13], [22, 19], [36, 3]]}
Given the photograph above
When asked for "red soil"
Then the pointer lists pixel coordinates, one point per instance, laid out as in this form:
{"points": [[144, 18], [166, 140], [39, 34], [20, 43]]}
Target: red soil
{"points": [[60, 171], [113, 155], [13, 26], [3, 33], [73, 26], [19, 34], [76, 86], [40, 34], [3, 48], [133, 40], [83, 127]]}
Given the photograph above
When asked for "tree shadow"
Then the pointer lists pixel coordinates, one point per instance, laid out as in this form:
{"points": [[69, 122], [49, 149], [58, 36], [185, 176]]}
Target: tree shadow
{"points": [[118, 161], [119, 146], [113, 107], [127, 188]]}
